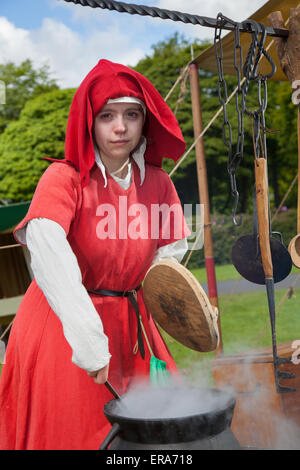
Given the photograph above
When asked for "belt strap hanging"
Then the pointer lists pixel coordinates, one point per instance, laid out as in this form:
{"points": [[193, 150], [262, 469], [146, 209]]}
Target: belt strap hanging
{"points": [[131, 294]]}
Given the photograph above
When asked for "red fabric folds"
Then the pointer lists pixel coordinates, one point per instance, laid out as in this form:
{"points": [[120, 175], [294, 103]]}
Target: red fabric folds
{"points": [[110, 80]]}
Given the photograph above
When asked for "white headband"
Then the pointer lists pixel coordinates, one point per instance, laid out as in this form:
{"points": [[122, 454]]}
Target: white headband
{"points": [[128, 99]]}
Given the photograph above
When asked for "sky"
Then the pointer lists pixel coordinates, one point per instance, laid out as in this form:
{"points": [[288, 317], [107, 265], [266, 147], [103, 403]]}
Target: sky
{"points": [[72, 38]]}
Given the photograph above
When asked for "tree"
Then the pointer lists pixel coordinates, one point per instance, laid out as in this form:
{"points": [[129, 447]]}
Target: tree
{"points": [[163, 68], [39, 132], [22, 82], [41, 126]]}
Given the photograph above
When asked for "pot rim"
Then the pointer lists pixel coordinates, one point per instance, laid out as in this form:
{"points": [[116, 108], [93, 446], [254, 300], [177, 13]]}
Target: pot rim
{"points": [[229, 403]]}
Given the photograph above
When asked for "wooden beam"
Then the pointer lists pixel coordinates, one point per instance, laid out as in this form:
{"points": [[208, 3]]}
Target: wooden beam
{"points": [[287, 49], [204, 194]]}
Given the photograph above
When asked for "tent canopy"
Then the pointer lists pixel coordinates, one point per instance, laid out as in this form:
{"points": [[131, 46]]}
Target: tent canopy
{"points": [[12, 214], [207, 60]]}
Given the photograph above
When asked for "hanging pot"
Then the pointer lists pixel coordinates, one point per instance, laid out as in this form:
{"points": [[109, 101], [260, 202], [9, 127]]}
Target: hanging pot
{"points": [[246, 258], [152, 425], [246, 255]]}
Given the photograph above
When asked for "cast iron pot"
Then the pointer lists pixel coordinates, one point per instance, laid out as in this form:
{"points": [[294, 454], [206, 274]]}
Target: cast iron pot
{"points": [[159, 432]]}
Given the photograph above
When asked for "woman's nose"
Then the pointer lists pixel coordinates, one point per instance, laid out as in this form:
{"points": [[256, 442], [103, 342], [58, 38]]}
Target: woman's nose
{"points": [[120, 125]]}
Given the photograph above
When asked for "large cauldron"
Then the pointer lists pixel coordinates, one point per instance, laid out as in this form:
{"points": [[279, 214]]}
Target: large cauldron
{"points": [[206, 426]]}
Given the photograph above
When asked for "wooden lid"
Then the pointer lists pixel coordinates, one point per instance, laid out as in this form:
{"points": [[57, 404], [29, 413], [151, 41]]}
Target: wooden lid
{"points": [[180, 306]]}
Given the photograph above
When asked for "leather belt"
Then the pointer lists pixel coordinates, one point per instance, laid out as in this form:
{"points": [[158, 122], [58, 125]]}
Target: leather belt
{"points": [[131, 296]]}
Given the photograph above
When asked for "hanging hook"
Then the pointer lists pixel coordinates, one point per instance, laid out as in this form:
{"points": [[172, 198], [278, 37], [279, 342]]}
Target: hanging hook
{"points": [[235, 204], [235, 194]]}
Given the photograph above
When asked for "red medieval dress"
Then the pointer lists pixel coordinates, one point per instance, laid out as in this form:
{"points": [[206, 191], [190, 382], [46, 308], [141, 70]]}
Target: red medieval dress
{"points": [[46, 401]]}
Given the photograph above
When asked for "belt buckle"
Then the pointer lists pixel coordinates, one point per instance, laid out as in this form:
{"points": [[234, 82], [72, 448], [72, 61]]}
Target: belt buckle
{"points": [[133, 292]]}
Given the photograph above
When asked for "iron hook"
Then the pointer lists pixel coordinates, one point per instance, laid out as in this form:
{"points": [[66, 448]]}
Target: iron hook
{"points": [[235, 204]]}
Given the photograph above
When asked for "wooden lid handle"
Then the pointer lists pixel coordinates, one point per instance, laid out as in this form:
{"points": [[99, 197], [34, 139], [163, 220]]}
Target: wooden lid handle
{"points": [[262, 201]]}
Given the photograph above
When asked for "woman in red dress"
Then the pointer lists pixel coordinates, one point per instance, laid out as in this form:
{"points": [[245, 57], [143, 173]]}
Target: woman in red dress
{"points": [[92, 226]]}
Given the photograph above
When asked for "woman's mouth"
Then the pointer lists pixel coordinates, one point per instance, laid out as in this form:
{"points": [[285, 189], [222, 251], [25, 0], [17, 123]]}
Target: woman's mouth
{"points": [[120, 142]]}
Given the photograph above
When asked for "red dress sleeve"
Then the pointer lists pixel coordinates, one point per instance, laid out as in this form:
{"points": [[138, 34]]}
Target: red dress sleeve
{"points": [[56, 197], [173, 226]]}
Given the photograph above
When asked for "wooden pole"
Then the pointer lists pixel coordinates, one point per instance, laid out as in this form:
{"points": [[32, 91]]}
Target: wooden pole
{"points": [[288, 52], [204, 195]]}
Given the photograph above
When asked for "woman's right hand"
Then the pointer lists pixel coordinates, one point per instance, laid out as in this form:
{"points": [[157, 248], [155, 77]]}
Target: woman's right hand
{"points": [[100, 376]]}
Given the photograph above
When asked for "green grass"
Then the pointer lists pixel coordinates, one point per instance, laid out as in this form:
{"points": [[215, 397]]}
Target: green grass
{"points": [[225, 273], [245, 325]]}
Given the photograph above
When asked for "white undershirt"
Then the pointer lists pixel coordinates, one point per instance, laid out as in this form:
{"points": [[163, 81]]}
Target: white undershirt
{"points": [[58, 275]]}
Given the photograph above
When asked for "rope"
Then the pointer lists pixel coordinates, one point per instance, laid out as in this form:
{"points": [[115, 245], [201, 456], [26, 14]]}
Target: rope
{"points": [[6, 330], [183, 91], [181, 76], [192, 249], [5, 247], [197, 140], [285, 197]]}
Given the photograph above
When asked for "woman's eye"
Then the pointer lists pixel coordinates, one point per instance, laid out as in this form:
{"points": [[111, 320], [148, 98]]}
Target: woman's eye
{"points": [[105, 116], [133, 114]]}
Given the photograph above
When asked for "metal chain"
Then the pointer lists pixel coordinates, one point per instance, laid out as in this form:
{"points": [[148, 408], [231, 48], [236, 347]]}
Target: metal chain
{"points": [[258, 115], [250, 67], [233, 160]]}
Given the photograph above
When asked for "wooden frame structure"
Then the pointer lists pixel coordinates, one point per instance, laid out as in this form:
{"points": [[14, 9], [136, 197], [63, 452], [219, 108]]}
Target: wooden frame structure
{"points": [[260, 411]]}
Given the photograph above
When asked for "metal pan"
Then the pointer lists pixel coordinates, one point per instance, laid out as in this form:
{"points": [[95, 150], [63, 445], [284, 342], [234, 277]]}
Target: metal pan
{"points": [[246, 257], [246, 254]]}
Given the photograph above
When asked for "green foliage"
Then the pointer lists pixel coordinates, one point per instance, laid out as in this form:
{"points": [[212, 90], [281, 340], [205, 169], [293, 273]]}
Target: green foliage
{"points": [[22, 82], [39, 132], [163, 68], [224, 235], [245, 326]]}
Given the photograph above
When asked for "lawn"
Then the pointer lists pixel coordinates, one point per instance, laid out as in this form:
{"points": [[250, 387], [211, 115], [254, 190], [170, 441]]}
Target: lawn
{"points": [[225, 273], [245, 323]]}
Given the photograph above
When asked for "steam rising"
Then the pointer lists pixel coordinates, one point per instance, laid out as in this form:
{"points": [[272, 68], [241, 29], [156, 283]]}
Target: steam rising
{"points": [[265, 425], [146, 402]]}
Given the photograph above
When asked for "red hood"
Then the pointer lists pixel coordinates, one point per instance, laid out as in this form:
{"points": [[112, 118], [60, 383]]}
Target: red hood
{"points": [[109, 80]]}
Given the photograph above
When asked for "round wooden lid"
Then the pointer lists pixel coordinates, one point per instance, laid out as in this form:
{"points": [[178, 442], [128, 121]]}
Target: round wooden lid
{"points": [[178, 303]]}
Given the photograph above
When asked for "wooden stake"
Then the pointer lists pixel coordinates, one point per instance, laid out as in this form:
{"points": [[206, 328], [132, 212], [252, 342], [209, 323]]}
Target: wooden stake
{"points": [[204, 195], [288, 49]]}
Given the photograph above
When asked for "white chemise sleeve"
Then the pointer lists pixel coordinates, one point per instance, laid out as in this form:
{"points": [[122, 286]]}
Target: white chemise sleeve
{"points": [[174, 251], [57, 273]]}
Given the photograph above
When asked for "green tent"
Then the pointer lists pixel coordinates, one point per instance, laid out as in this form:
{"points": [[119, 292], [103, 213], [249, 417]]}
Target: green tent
{"points": [[12, 214]]}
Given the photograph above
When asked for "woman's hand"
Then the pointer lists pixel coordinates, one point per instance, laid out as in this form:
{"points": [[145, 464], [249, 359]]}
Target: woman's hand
{"points": [[100, 376]]}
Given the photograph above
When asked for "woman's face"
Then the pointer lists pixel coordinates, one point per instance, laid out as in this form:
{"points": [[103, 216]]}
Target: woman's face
{"points": [[117, 132]]}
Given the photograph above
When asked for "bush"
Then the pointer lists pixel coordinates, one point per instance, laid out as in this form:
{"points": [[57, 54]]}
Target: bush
{"points": [[39, 132], [225, 233]]}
